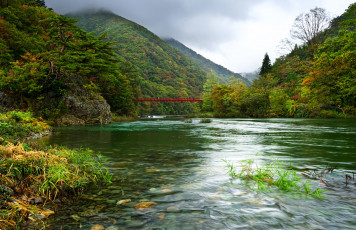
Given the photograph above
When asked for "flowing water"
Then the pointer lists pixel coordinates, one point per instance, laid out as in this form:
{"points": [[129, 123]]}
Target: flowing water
{"points": [[179, 166]]}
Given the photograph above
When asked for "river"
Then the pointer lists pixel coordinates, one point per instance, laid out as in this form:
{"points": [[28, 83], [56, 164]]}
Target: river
{"points": [[179, 166]]}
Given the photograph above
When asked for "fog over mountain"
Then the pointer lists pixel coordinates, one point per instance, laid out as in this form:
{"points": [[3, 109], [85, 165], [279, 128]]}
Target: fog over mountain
{"points": [[233, 33]]}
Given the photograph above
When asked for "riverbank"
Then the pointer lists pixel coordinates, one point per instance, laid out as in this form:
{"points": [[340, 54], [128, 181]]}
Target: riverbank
{"points": [[324, 115], [35, 179]]}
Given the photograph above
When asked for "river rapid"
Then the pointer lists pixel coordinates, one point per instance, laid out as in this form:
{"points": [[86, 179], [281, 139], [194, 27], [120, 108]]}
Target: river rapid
{"points": [[178, 167]]}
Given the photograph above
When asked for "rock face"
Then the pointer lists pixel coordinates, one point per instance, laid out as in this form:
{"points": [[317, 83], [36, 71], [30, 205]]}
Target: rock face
{"points": [[85, 112], [84, 107], [78, 106]]}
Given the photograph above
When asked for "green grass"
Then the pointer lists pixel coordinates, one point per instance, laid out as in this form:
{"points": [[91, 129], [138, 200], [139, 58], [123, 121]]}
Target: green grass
{"points": [[274, 174], [29, 171], [206, 120], [55, 173], [16, 125]]}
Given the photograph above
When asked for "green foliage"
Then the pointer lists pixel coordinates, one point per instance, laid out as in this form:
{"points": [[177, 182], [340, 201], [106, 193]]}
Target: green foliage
{"points": [[315, 80], [278, 104], [228, 99], [273, 174], [50, 172], [221, 72], [15, 126], [334, 74], [208, 87], [42, 54], [162, 71], [124, 118]]}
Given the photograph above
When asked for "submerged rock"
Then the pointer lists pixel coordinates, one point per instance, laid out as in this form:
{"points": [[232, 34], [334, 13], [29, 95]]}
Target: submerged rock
{"points": [[97, 227], [151, 170], [89, 212], [112, 228], [123, 201], [37, 217], [135, 224], [144, 205], [36, 200]]}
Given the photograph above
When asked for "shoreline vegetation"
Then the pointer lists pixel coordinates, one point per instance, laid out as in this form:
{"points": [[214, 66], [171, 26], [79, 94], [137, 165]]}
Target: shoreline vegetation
{"points": [[35, 179], [123, 118]]}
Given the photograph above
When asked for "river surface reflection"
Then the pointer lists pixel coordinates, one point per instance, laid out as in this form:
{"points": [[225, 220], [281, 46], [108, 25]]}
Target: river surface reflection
{"points": [[179, 166]]}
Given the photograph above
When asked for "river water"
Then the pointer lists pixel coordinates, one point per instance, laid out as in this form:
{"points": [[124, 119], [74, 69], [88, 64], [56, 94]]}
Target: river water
{"points": [[179, 166]]}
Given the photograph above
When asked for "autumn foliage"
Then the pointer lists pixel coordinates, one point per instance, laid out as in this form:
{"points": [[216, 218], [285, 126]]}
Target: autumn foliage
{"points": [[316, 79]]}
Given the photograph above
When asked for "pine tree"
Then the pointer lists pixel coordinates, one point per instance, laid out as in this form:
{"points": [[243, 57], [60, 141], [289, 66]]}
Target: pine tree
{"points": [[266, 65]]}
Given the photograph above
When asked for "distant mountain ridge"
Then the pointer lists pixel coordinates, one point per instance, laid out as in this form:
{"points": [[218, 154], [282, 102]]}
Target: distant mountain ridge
{"points": [[223, 73], [251, 76], [163, 70]]}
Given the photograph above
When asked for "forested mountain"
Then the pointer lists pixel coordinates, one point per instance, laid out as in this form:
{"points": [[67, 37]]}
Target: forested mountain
{"points": [[51, 67], [221, 72], [316, 79], [164, 71]]}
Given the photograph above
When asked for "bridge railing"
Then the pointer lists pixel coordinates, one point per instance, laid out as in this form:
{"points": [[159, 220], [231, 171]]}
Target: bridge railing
{"points": [[170, 99]]}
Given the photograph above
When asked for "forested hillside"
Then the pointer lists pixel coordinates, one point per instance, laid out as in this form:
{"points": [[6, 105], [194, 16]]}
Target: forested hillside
{"points": [[50, 66], [53, 68], [316, 79], [224, 75], [164, 71]]}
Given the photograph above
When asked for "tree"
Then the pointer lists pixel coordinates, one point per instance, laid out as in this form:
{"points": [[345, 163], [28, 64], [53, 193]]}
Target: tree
{"points": [[307, 27], [266, 65], [40, 3], [208, 87], [6, 3], [286, 46], [332, 80]]}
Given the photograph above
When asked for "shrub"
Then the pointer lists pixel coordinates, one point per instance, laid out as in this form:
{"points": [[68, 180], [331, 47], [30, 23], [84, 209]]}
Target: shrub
{"points": [[16, 125]]}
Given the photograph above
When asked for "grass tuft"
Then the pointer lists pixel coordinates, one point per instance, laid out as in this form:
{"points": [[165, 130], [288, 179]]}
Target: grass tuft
{"points": [[273, 174], [206, 120]]}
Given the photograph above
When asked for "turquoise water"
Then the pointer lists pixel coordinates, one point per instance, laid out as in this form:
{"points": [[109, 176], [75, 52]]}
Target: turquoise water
{"points": [[179, 166]]}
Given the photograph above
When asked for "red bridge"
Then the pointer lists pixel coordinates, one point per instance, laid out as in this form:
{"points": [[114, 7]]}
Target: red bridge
{"points": [[170, 99]]}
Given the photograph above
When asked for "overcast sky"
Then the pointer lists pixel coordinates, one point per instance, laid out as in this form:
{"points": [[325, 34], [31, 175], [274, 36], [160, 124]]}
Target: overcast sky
{"points": [[233, 33]]}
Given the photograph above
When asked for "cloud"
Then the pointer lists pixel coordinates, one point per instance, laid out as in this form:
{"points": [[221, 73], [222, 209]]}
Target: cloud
{"points": [[205, 21], [233, 33]]}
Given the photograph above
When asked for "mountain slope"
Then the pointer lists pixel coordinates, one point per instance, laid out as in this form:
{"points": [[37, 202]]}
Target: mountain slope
{"points": [[164, 71], [223, 74], [53, 68]]}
